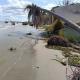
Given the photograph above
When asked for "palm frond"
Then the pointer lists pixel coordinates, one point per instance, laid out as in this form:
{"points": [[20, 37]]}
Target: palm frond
{"points": [[35, 12], [28, 7], [29, 15]]}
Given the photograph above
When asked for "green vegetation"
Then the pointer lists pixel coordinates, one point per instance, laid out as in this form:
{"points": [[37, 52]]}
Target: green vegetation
{"points": [[71, 35], [74, 60], [68, 33], [52, 23], [61, 32], [54, 27], [60, 37], [66, 52]]}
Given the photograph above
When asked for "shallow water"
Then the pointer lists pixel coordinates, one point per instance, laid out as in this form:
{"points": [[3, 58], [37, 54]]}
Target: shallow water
{"points": [[16, 65], [19, 29]]}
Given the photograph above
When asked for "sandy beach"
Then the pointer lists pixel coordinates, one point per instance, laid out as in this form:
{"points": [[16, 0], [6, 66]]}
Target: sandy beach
{"points": [[49, 69], [26, 26], [27, 62]]}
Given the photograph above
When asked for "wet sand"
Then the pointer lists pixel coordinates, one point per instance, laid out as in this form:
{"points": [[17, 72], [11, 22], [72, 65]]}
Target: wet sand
{"points": [[16, 64]]}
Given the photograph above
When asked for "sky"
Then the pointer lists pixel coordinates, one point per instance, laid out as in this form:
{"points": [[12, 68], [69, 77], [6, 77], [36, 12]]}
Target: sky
{"points": [[12, 10]]}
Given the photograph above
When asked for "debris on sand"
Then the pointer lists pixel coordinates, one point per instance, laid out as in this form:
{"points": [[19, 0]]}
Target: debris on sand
{"points": [[12, 49], [28, 33], [37, 67], [9, 35]]}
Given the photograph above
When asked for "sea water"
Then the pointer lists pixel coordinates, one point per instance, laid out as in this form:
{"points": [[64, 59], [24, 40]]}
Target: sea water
{"points": [[19, 30]]}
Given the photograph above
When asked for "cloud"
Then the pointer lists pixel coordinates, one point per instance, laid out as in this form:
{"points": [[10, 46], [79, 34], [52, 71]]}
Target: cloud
{"points": [[76, 1], [49, 6], [1, 9], [9, 9], [11, 13], [18, 3], [14, 10], [15, 3], [25, 2]]}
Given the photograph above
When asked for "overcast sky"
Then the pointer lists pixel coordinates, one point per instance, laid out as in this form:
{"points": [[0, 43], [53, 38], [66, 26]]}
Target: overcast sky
{"points": [[7, 11]]}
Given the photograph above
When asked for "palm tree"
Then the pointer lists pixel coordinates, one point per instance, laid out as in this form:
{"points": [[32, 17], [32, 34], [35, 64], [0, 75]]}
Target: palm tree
{"points": [[36, 11], [34, 14]]}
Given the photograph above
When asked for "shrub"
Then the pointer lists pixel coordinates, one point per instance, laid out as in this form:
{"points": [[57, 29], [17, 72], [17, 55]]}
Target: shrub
{"points": [[61, 32], [58, 25], [66, 53], [71, 35], [57, 40], [48, 28], [55, 27], [71, 38], [74, 60]]}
